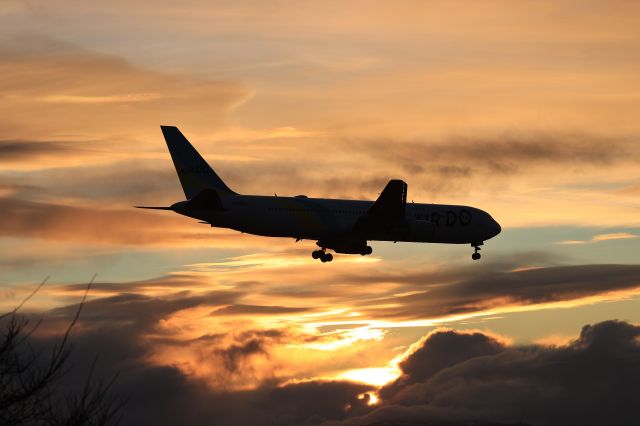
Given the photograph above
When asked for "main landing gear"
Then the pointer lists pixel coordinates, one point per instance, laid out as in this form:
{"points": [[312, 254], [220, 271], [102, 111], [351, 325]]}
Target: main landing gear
{"points": [[476, 255], [322, 255], [340, 246], [366, 250]]}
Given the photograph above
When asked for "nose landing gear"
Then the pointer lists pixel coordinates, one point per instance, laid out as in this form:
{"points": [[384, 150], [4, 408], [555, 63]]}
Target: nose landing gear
{"points": [[322, 255], [476, 255]]}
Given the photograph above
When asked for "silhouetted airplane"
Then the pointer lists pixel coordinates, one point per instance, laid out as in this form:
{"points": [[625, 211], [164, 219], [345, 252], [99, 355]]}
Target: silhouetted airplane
{"points": [[343, 226]]}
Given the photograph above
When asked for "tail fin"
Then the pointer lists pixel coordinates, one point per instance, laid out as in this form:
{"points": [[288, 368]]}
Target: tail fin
{"points": [[194, 172]]}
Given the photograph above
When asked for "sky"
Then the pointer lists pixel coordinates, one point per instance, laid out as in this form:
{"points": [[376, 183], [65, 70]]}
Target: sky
{"points": [[529, 110]]}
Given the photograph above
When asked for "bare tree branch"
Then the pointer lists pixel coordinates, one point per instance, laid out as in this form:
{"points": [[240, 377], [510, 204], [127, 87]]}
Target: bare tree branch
{"points": [[35, 290], [30, 387]]}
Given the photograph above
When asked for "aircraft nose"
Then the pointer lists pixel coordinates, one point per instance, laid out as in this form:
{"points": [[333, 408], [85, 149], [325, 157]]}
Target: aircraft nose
{"points": [[494, 228]]}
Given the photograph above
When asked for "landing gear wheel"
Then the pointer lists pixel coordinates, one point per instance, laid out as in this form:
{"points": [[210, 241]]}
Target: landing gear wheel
{"points": [[322, 255], [476, 255]]}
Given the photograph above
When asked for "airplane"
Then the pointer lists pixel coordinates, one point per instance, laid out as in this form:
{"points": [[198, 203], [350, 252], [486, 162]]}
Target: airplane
{"points": [[344, 226]]}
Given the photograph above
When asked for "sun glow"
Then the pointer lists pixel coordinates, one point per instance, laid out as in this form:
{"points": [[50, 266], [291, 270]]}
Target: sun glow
{"points": [[370, 397], [349, 337], [376, 376]]}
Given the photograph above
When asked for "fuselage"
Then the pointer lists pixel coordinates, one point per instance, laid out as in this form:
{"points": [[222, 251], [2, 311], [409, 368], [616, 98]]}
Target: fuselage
{"points": [[301, 217], [344, 226]]}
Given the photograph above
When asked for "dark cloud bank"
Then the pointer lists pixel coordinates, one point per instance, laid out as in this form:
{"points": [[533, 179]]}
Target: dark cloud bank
{"points": [[44, 220], [451, 377], [20, 149], [424, 293], [592, 380], [448, 377]]}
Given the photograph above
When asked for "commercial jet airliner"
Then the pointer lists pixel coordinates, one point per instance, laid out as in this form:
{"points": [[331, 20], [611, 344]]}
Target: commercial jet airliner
{"points": [[344, 226]]}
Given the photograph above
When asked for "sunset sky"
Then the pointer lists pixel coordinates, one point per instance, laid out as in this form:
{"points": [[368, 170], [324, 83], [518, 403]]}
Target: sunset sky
{"points": [[529, 110]]}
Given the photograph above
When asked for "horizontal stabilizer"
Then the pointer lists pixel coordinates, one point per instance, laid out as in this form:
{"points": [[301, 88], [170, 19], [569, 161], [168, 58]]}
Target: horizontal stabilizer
{"points": [[153, 207]]}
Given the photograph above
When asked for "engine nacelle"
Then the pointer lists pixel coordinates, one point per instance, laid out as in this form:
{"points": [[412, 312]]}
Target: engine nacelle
{"points": [[346, 246]]}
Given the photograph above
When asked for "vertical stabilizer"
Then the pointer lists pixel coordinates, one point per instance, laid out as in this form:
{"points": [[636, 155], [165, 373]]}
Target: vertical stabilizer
{"points": [[194, 172]]}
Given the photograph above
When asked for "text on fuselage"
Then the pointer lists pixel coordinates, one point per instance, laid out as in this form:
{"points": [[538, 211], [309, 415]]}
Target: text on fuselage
{"points": [[448, 218]]}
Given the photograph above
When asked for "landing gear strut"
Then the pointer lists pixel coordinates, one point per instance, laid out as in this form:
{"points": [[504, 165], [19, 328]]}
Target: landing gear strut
{"points": [[476, 255], [322, 255]]}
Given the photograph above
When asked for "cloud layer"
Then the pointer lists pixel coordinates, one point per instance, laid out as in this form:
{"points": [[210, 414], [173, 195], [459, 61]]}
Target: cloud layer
{"points": [[53, 88], [474, 376], [445, 376]]}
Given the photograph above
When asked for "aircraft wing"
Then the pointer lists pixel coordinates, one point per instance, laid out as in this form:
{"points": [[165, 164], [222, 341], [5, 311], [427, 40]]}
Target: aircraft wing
{"points": [[387, 214]]}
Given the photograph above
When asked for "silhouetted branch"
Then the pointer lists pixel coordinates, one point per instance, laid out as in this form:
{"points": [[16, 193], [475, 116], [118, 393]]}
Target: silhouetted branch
{"points": [[30, 386], [21, 304]]}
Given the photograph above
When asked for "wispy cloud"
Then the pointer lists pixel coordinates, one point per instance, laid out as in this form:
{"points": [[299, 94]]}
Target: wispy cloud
{"points": [[125, 98], [614, 236], [94, 92], [600, 237], [106, 226]]}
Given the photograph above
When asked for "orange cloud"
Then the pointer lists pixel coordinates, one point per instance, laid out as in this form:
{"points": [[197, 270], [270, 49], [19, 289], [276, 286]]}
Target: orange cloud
{"points": [[106, 226], [614, 236], [555, 340], [238, 328], [601, 237], [53, 90]]}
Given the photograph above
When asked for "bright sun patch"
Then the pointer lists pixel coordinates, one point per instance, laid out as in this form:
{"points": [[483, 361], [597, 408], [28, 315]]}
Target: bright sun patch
{"points": [[371, 398], [376, 376]]}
